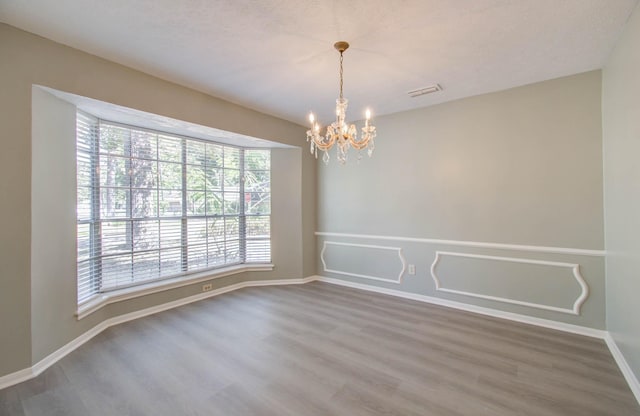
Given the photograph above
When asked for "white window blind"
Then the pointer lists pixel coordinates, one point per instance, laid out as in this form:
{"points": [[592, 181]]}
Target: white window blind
{"points": [[152, 205]]}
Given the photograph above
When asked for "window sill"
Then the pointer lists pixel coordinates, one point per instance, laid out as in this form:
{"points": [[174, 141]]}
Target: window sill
{"points": [[102, 299]]}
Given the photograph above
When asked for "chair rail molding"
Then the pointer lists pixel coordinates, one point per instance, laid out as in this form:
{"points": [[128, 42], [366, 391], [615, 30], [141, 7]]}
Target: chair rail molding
{"points": [[464, 243], [575, 268], [398, 250]]}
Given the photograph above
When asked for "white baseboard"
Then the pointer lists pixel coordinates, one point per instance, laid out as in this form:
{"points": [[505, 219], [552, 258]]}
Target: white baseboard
{"points": [[119, 295], [546, 323], [35, 370], [15, 378], [631, 378]]}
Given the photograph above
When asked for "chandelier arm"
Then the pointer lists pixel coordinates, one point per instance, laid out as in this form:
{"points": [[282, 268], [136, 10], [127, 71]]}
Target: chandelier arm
{"points": [[324, 147], [325, 143], [368, 133], [360, 144]]}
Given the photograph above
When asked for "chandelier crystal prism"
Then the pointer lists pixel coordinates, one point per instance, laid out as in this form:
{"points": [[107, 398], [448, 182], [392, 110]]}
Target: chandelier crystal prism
{"points": [[339, 132]]}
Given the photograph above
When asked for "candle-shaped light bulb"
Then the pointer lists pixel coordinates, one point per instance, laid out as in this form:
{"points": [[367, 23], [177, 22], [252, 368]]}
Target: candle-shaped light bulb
{"points": [[316, 127], [312, 118], [367, 114]]}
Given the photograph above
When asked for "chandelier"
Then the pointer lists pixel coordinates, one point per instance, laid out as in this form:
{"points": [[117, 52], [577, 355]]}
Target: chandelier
{"points": [[338, 132]]}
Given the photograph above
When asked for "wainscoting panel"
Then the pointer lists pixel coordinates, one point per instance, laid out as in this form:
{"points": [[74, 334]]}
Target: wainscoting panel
{"points": [[373, 262], [562, 284], [542, 284]]}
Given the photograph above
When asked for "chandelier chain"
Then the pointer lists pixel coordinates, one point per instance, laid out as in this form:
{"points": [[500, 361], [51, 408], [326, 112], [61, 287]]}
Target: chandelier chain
{"points": [[341, 57]]}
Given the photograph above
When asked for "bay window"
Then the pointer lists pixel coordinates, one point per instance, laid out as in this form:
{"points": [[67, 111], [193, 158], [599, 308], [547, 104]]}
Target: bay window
{"points": [[154, 205]]}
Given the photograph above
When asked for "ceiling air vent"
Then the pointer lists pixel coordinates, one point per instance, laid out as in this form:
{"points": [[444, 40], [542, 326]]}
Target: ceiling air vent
{"points": [[425, 90]]}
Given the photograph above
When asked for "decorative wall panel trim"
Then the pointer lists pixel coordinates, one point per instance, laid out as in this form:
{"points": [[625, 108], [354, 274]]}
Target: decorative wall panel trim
{"points": [[398, 250], [478, 244], [575, 268]]}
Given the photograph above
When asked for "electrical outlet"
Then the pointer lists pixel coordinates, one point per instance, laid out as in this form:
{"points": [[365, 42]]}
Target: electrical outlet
{"points": [[207, 287], [412, 269]]}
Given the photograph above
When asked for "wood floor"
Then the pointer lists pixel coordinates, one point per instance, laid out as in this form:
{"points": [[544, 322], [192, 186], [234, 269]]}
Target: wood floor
{"points": [[320, 349]]}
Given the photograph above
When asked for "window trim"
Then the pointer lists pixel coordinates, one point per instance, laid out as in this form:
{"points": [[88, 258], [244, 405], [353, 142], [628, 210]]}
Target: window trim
{"points": [[102, 299]]}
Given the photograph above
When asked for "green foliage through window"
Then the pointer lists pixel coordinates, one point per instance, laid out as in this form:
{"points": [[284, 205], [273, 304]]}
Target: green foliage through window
{"points": [[152, 205]]}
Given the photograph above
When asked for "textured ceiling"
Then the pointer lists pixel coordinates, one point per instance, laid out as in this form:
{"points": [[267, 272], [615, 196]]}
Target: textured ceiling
{"points": [[277, 56]]}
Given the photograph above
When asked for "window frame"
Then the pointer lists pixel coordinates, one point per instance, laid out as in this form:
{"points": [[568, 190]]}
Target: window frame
{"points": [[98, 295]]}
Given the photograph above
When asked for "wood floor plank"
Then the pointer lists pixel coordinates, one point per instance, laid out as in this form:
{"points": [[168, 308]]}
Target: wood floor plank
{"points": [[10, 403], [326, 350]]}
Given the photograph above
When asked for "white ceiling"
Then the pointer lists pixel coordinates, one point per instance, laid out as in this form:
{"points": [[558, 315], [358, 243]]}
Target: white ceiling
{"points": [[277, 56]]}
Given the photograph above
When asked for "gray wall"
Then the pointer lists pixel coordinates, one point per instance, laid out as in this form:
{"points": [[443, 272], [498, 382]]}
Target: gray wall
{"points": [[53, 248], [621, 136], [33, 320], [521, 166]]}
